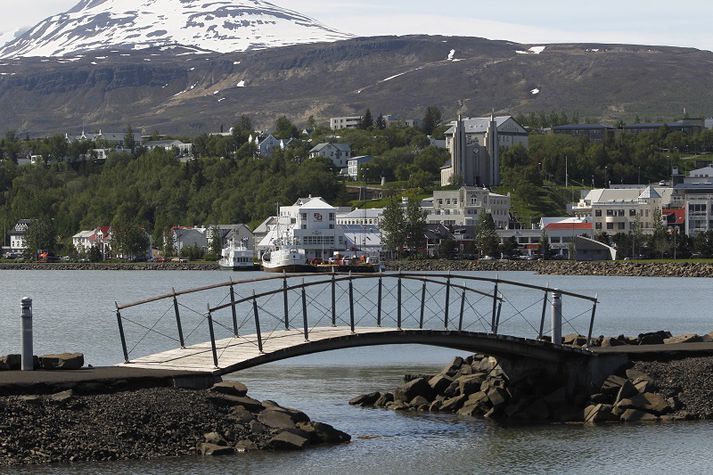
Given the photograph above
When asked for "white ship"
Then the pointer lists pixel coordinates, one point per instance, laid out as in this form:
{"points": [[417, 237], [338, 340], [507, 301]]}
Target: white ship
{"points": [[286, 259], [237, 258]]}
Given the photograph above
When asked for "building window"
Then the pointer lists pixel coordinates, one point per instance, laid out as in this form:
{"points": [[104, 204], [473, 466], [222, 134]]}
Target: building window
{"points": [[303, 215], [610, 225], [610, 212], [622, 225], [598, 213], [632, 212]]}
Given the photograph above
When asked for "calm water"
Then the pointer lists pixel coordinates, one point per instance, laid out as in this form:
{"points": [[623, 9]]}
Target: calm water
{"points": [[73, 311]]}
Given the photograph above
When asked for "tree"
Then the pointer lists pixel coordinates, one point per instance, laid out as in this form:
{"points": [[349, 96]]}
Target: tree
{"points": [[431, 119], [285, 129], [393, 226], [510, 247], [545, 248], [128, 240], [660, 238], [129, 140], [216, 243], [242, 130], [367, 121], [486, 236], [41, 236], [380, 122], [415, 224]]}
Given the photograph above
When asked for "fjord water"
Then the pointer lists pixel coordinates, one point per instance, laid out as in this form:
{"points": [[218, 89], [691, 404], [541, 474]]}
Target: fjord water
{"points": [[73, 311]]}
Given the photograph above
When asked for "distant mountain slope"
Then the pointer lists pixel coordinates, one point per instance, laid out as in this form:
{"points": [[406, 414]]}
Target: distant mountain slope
{"points": [[176, 93], [214, 25]]}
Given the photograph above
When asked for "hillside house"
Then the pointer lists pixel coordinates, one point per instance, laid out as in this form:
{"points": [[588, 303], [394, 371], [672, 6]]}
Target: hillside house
{"points": [[338, 153]]}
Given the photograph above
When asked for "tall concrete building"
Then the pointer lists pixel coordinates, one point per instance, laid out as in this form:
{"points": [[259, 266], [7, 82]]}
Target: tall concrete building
{"points": [[475, 145]]}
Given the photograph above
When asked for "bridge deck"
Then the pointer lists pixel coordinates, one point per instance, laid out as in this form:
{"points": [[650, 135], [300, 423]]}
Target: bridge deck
{"points": [[233, 351]]}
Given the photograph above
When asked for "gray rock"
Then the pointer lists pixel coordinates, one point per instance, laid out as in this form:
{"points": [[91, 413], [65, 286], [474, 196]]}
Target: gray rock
{"points": [[10, 363], [497, 397], [469, 384], [598, 413], [384, 400], [208, 449], [233, 388], [440, 382], [635, 415], [574, 339], [649, 402], [214, 438], [276, 419], [62, 396], [240, 415], [653, 338], [453, 404], [612, 385], [687, 338], [287, 440], [252, 405], [257, 427], [64, 361], [626, 390], [321, 433], [418, 402], [245, 445], [417, 387], [365, 399]]}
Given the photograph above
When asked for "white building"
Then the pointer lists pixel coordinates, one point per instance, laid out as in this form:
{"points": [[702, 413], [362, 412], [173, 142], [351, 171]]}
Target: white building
{"points": [[349, 122], [361, 217], [561, 234], [464, 206], [169, 145], [18, 241], [338, 153], [354, 164], [621, 210]]}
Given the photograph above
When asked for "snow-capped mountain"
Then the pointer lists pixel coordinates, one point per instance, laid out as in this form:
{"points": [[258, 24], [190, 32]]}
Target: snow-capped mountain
{"points": [[216, 25]]}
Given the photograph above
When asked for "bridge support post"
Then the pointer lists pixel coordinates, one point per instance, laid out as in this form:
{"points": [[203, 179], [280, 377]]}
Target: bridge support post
{"points": [[591, 321], [556, 317], [398, 303], [448, 302], [285, 304], [178, 320], [232, 308], [257, 324], [304, 313], [351, 301], [26, 357], [334, 299], [214, 350], [544, 312], [423, 305], [494, 316], [121, 333], [378, 305], [462, 308], [497, 320]]}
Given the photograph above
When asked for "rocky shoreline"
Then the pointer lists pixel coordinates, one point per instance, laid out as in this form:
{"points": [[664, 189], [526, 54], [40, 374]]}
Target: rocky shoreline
{"points": [[155, 266], [151, 423], [558, 267], [477, 386]]}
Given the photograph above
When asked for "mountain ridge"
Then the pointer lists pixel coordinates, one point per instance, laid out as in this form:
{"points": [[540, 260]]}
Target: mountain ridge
{"points": [[221, 26]]}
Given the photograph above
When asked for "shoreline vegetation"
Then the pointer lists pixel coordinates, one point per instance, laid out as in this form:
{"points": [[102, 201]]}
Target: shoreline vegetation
{"points": [[663, 268]]}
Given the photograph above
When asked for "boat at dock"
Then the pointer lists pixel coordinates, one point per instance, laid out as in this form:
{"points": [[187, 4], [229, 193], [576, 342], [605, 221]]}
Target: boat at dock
{"points": [[286, 259], [237, 258]]}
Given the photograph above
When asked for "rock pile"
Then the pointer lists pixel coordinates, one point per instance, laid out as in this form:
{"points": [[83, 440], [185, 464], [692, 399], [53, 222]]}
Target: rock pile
{"points": [[662, 337], [61, 361], [151, 423], [477, 386]]}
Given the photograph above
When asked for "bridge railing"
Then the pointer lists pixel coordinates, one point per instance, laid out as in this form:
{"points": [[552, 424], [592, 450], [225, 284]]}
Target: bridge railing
{"points": [[252, 313]]}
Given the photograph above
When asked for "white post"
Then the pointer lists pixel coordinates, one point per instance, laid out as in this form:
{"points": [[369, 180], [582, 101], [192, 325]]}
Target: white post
{"points": [[556, 317], [27, 356]]}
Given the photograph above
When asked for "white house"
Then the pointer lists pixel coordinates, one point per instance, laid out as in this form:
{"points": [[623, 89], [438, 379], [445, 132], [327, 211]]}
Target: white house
{"points": [[354, 165], [169, 145], [18, 241], [266, 145], [338, 153]]}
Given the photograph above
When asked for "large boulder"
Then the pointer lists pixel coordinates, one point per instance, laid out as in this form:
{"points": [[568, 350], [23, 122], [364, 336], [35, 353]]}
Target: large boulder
{"points": [[635, 415], [612, 385], [288, 440], [240, 415], [440, 382], [233, 388], [276, 419], [320, 433], [365, 399], [598, 413], [611, 341], [453, 404], [653, 338], [220, 399], [648, 402], [497, 397], [417, 387], [469, 384], [215, 439], [573, 339], [64, 361], [384, 399], [626, 391]]}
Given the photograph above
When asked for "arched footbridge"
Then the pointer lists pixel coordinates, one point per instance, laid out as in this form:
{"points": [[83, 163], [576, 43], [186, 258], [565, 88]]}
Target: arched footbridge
{"points": [[240, 324]]}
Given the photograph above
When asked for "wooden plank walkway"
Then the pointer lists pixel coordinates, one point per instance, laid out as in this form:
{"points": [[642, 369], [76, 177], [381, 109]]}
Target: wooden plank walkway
{"points": [[233, 351]]}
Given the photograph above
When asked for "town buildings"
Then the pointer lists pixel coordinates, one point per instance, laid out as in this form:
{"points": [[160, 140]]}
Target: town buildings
{"points": [[348, 122], [463, 207]]}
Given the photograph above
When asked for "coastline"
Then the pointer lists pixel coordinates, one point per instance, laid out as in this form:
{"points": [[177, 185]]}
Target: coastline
{"points": [[154, 266]]}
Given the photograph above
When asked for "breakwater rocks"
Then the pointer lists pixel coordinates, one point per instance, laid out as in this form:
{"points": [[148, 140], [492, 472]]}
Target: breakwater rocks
{"points": [[477, 386], [151, 423], [205, 266], [603, 268]]}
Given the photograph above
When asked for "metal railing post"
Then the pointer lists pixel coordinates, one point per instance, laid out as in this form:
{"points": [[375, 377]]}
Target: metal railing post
{"points": [[544, 313], [378, 304], [462, 308], [423, 305], [232, 308], [398, 303], [351, 301], [591, 320], [556, 317], [334, 299], [497, 320], [27, 362], [285, 303], [304, 312], [178, 319], [121, 333], [212, 338], [448, 301], [257, 324], [495, 309]]}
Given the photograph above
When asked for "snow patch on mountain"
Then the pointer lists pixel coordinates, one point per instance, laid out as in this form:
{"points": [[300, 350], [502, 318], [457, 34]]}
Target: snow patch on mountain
{"points": [[221, 26]]}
